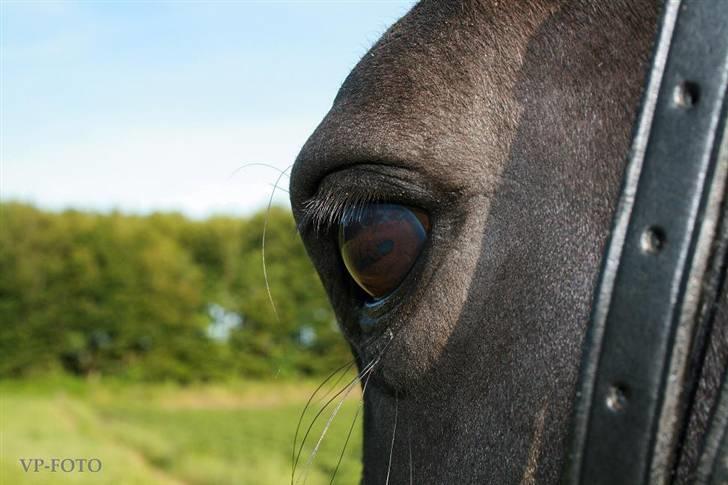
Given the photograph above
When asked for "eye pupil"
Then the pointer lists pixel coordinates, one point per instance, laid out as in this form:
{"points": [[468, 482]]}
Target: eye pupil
{"points": [[385, 247], [380, 243]]}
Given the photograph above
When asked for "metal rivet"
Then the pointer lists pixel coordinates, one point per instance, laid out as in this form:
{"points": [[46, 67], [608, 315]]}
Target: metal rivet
{"points": [[652, 240], [686, 94], [616, 399]]}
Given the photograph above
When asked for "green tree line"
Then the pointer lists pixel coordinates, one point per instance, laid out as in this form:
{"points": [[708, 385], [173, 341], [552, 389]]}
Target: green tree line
{"points": [[159, 297]]}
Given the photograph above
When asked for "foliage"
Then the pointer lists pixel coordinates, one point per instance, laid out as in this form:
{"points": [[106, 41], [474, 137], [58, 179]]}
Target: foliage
{"points": [[131, 296]]}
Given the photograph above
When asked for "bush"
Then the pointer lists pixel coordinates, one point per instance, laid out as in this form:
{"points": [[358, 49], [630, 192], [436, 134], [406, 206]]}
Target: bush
{"points": [[132, 296]]}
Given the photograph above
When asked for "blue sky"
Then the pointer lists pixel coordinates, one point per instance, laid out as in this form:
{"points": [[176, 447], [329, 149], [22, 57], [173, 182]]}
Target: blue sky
{"points": [[144, 106]]}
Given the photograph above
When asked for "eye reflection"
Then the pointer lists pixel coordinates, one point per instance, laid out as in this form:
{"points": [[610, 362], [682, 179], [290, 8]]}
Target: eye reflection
{"points": [[380, 243]]}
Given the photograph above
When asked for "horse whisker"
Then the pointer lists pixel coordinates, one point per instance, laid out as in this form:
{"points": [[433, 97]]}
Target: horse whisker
{"points": [[334, 413], [347, 386], [394, 434], [258, 164], [279, 188], [409, 446], [344, 367], [365, 372], [262, 248], [335, 384], [363, 346], [351, 428]]}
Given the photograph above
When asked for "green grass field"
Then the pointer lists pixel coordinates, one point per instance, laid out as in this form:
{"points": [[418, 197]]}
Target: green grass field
{"points": [[240, 433]]}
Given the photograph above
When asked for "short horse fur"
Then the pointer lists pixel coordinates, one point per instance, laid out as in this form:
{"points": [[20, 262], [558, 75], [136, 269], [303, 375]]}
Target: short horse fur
{"points": [[509, 122]]}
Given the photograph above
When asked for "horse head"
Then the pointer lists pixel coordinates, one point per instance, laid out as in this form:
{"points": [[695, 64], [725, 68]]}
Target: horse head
{"points": [[456, 201]]}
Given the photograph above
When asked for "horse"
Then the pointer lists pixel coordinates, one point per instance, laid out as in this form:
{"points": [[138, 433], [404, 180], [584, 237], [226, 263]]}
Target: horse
{"points": [[456, 201]]}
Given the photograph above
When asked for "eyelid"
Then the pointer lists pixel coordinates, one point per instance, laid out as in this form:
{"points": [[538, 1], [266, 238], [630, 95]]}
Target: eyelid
{"points": [[355, 186]]}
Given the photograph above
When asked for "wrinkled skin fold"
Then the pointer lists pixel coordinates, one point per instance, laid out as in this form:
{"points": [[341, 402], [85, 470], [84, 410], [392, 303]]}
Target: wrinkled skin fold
{"points": [[509, 123]]}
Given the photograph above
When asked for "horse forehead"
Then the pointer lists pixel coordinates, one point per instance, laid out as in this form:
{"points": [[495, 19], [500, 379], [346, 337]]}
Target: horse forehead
{"points": [[437, 91], [440, 52]]}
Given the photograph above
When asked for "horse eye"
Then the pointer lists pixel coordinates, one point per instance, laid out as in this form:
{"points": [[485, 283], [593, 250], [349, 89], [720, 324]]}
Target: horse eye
{"points": [[380, 243]]}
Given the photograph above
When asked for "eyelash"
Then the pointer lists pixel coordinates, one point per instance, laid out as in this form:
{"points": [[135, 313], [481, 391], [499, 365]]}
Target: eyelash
{"points": [[327, 208]]}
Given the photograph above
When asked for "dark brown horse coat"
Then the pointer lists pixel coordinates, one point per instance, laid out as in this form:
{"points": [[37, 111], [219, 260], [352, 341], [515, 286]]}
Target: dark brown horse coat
{"points": [[508, 122]]}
